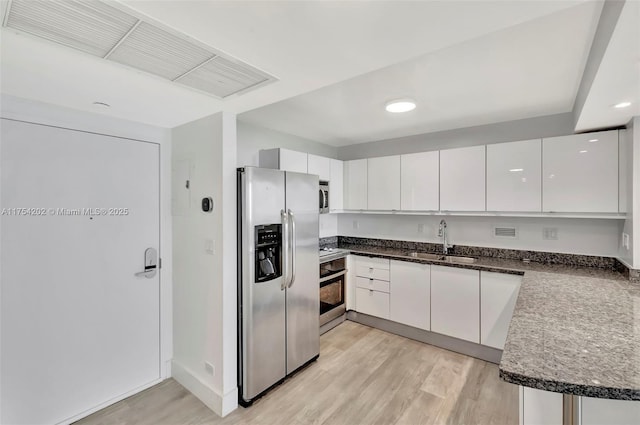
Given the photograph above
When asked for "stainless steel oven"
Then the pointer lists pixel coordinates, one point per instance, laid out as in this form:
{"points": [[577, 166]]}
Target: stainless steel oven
{"points": [[332, 289], [323, 201]]}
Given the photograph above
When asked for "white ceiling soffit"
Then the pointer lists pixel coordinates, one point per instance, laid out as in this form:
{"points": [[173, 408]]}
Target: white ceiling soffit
{"points": [[618, 77], [527, 70], [96, 28]]}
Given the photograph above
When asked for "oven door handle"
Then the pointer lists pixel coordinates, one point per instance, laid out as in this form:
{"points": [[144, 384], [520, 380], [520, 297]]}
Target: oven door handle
{"points": [[333, 276]]}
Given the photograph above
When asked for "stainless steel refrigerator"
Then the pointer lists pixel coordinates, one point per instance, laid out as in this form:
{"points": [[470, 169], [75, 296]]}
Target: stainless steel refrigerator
{"points": [[278, 283]]}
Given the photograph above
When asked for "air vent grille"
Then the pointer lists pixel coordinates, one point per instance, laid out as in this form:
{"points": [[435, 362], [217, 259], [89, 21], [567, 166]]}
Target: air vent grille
{"points": [[159, 52], [90, 26], [505, 232], [222, 77], [96, 28]]}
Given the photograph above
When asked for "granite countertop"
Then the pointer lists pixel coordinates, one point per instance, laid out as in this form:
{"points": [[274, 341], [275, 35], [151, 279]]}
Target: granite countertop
{"points": [[575, 330]]}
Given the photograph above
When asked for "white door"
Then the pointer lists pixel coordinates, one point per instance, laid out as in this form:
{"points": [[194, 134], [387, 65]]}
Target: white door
{"points": [[78, 328]]}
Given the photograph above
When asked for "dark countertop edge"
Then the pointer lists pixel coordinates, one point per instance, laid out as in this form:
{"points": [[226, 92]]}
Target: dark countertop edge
{"points": [[573, 389], [470, 266]]}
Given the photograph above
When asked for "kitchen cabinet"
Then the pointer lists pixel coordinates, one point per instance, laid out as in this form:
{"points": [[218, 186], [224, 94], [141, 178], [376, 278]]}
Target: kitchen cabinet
{"points": [[539, 407], [580, 173], [319, 165], [350, 290], [372, 286], [455, 302], [383, 183], [409, 300], [462, 179], [498, 295], [514, 181], [420, 181], [283, 159], [336, 185], [598, 411], [355, 184]]}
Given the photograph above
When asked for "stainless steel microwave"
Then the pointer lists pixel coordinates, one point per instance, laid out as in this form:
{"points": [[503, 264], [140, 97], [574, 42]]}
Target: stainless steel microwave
{"points": [[324, 197]]}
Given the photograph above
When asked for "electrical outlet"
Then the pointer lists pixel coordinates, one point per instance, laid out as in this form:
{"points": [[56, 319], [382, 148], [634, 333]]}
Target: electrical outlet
{"points": [[211, 370], [356, 225], [422, 228], [550, 233], [625, 240]]}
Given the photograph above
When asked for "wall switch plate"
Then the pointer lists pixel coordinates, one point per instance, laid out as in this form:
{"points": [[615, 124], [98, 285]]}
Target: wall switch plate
{"points": [[625, 240], [209, 368], [356, 225], [422, 228], [550, 233], [208, 246]]}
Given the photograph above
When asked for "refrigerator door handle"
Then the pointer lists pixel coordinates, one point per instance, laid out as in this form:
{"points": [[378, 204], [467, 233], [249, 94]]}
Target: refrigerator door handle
{"points": [[285, 249], [293, 248]]}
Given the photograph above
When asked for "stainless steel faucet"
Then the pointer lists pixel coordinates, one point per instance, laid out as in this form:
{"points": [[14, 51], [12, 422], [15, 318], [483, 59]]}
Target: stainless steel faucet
{"points": [[442, 232]]}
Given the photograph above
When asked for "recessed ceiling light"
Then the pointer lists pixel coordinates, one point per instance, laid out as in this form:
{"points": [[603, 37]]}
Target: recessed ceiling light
{"points": [[584, 151], [400, 105], [593, 140], [515, 170], [101, 105], [622, 105]]}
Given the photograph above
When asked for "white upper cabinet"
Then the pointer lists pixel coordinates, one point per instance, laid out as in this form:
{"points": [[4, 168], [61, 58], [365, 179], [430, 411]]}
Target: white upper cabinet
{"points": [[319, 165], [462, 179], [283, 159], [336, 185], [580, 173], [383, 184], [420, 181], [355, 184], [514, 180], [410, 297]]}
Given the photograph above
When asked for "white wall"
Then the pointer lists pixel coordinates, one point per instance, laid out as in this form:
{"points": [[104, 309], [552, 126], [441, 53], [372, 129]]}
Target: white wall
{"points": [[204, 279], [328, 225], [253, 138], [575, 236], [509, 131], [41, 113]]}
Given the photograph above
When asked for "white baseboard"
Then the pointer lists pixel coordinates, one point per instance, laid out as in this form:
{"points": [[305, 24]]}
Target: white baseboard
{"points": [[219, 404]]}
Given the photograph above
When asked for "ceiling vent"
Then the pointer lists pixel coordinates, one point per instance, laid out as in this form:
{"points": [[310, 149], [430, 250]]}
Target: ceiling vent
{"points": [[99, 29], [505, 232]]}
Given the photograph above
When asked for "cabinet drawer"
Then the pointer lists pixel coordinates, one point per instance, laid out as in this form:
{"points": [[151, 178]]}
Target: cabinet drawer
{"points": [[374, 303], [376, 263], [372, 273], [373, 284]]}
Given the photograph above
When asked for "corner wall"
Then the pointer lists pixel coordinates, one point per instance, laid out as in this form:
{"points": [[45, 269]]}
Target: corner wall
{"points": [[204, 302], [253, 138]]}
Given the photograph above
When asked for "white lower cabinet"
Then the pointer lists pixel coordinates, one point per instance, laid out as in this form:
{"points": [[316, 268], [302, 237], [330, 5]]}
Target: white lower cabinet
{"points": [[410, 299], [372, 286], [374, 303], [599, 411], [455, 302], [539, 407], [498, 295]]}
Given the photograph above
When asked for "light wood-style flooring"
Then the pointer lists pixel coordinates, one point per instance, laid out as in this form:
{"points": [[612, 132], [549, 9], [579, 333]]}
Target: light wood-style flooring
{"points": [[363, 376]]}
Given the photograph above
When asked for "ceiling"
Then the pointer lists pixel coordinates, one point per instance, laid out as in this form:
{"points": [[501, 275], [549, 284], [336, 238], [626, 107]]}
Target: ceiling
{"points": [[526, 70], [338, 63], [309, 46], [618, 77]]}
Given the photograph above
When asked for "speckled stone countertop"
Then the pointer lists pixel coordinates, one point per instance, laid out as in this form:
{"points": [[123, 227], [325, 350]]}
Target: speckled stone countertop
{"points": [[575, 330]]}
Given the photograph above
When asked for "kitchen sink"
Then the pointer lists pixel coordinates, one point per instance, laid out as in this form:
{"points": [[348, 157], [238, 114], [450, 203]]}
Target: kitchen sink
{"points": [[425, 255], [440, 257], [456, 259]]}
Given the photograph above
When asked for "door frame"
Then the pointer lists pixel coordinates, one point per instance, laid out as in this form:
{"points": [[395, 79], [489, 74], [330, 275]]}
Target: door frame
{"points": [[36, 113]]}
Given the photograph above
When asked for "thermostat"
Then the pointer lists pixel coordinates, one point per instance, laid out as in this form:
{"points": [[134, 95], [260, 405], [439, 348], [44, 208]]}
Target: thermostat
{"points": [[207, 204]]}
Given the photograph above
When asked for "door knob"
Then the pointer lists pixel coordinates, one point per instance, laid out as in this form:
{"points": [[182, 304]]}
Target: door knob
{"points": [[150, 264]]}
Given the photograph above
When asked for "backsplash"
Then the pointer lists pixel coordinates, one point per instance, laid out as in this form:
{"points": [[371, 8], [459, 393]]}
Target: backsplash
{"points": [[473, 251]]}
